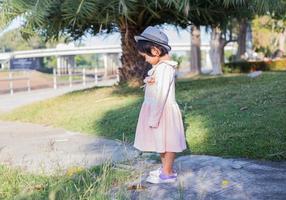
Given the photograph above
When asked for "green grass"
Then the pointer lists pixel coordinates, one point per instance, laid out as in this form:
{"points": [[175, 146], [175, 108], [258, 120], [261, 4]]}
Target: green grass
{"points": [[237, 116], [231, 116], [77, 184]]}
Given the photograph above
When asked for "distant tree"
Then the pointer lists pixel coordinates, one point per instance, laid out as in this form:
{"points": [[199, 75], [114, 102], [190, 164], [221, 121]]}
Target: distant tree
{"points": [[257, 9], [230, 26], [219, 15], [220, 20], [13, 41], [269, 31], [264, 35], [222, 23], [279, 26], [196, 49]]}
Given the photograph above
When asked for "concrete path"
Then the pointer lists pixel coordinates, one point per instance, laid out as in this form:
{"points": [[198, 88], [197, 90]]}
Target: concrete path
{"points": [[40, 149], [9, 102], [215, 178]]}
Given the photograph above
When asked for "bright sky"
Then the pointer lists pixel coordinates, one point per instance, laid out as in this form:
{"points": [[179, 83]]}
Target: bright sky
{"points": [[14, 24]]}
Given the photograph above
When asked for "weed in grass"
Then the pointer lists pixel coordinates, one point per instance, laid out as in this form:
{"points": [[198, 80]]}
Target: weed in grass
{"points": [[77, 183], [181, 189]]}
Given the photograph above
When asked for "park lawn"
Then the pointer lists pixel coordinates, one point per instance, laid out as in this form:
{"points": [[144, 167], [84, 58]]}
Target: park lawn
{"points": [[229, 116]]}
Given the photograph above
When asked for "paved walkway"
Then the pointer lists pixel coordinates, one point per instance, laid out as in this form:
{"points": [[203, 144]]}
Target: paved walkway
{"points": [[41, 149], [215, 178], [9, 102]]}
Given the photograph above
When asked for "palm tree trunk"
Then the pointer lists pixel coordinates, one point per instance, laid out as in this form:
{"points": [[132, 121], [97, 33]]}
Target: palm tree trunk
{"points": [[282, 37], [241, 39], [222, 45], [215, 51], [195, 49], [134, 68]]}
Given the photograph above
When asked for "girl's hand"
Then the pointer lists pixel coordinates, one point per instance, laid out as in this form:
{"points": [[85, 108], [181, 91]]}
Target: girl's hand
{"points": [[153, 124], [149, 80]]}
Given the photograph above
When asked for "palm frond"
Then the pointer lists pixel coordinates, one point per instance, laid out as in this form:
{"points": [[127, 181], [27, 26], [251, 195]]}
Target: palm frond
{"points": [[75, 11], [52, 18], [229, 3]]}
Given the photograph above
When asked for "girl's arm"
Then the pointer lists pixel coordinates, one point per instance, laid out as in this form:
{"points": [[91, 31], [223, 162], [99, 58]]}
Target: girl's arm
{"points": [[164, 78]]}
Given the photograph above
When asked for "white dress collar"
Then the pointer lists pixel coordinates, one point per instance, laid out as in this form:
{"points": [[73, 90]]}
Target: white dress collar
{"points": [[168, 62]]}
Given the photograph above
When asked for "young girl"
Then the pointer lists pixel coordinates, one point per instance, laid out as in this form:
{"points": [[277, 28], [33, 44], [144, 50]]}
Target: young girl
{"points": [[160, 127]]}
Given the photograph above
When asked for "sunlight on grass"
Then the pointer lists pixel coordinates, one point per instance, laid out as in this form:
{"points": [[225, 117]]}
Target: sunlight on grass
{"points": [[197, 134], [243, 117], [78, 111], [225, 116]]}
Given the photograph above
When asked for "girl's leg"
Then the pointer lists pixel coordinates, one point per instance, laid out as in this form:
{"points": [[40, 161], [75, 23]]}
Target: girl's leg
{"points": [[169, 158], [162, 155]]}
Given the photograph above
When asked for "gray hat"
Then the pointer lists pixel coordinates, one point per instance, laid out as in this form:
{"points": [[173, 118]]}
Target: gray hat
{"points": [[153, 34]]}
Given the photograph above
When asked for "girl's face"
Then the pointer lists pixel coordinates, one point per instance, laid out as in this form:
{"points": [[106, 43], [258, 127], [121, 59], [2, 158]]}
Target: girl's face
{"points": [[153, 60]]}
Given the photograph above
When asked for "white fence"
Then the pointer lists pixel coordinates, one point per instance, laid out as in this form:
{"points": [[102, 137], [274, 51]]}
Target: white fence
{"points": [[80, 76], [23, 80], [14, 76]]}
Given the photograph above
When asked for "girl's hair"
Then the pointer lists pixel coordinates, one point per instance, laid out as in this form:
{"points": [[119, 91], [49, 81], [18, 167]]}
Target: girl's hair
{"points": [[145, 46]]}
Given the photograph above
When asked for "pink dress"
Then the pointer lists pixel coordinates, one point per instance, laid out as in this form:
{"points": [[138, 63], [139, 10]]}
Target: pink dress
{"points": [[161, 112]]}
